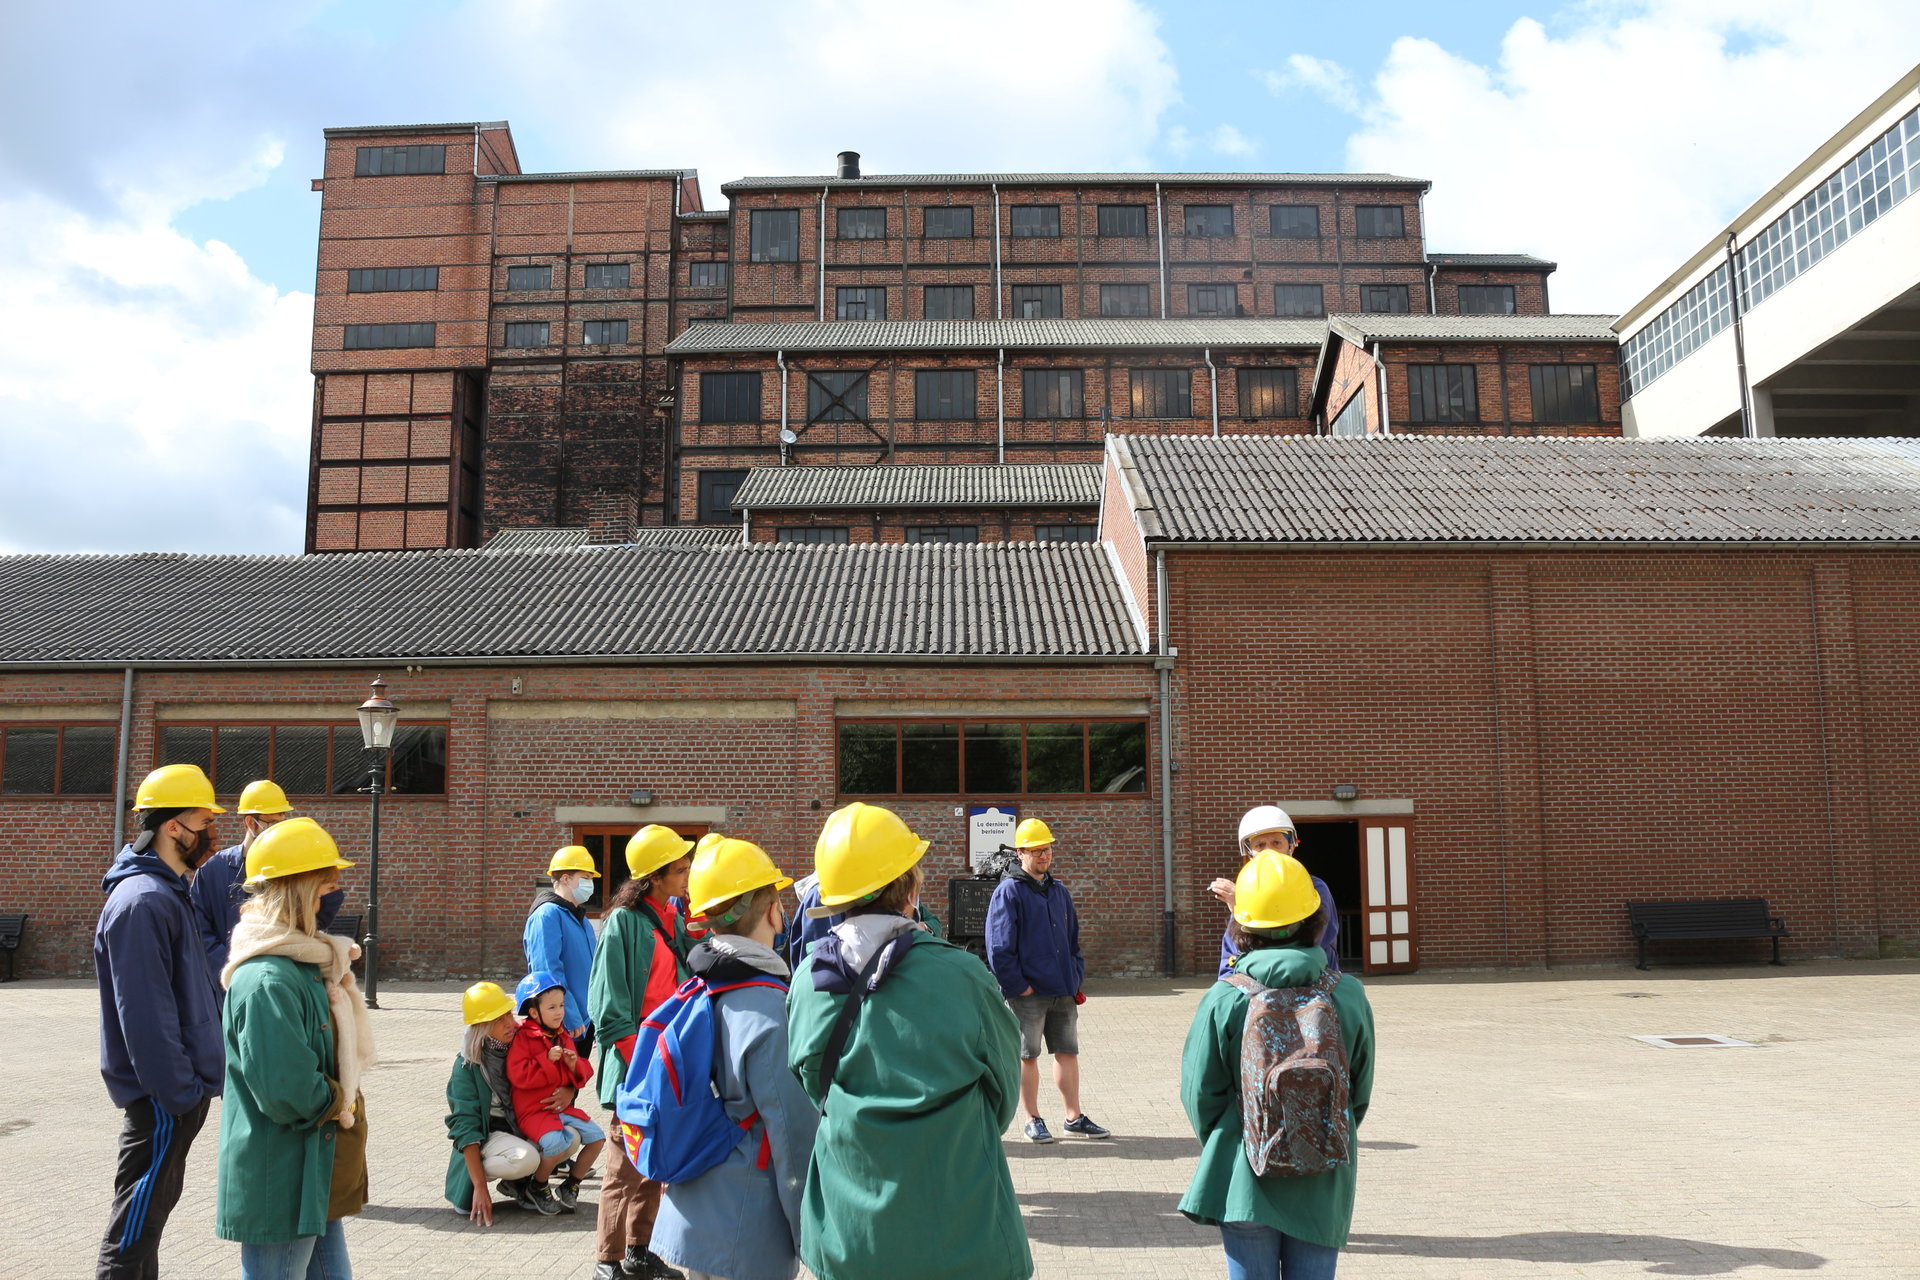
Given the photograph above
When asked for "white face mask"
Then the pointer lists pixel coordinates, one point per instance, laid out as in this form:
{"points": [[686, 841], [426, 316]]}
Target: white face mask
{"points": [[580, 892]]}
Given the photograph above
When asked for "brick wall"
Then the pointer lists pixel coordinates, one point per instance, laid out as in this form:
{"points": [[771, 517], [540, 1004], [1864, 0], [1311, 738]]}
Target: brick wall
{"points": [[1504, 385], [1529, 289]]}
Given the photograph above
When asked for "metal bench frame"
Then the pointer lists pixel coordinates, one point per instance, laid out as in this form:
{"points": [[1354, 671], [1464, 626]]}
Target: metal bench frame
{"points": [[12, 929], [1704, 920]]}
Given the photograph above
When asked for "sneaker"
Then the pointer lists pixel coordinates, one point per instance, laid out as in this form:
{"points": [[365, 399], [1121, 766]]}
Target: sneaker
{"points": [[521, 1189], [543, 1198], [568, 1194], [1083, 1126], [1036, 1131], [608, 1271]]}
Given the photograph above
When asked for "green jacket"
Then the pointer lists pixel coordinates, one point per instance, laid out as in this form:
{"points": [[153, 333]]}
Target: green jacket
{"points": [[617, 984], [276, 1124], [908, 1175], [1318, 1208], [469, 1121]]}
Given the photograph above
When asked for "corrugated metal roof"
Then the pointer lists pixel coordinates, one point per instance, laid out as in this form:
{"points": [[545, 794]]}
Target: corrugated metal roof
{"points": [[712, 215], [974, 335], [589, 175], [674, 535], [1076, 179], [1521, 260], [1370, 327], [879, 600], [1055, 484], [1304, 489]]}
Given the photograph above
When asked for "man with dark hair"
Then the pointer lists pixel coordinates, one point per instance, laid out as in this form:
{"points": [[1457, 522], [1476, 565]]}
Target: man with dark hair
{"points": [[160, 1049], [218, 887]]}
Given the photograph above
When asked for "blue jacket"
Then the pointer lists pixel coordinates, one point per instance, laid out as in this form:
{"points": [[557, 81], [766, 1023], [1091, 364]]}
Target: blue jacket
{"points": [[559, 940], [219, 887], [159, 1012], [1033, 937], [1329, 941]]}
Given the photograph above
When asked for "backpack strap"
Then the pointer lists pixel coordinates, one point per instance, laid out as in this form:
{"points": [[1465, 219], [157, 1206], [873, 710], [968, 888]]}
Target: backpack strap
{"points": [[1245, 983], [843, 1025]]}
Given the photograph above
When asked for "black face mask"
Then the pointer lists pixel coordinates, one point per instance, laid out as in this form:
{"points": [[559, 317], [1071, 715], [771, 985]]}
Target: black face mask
{"points": [[202, 845]]}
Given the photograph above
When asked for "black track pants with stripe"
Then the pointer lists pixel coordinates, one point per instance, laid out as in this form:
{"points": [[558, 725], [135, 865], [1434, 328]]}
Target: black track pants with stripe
{"points": [[146, 1185]]}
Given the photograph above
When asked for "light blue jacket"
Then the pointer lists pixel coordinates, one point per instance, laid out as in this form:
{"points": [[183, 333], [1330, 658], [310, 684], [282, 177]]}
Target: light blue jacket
{"points": [[559, 940]]}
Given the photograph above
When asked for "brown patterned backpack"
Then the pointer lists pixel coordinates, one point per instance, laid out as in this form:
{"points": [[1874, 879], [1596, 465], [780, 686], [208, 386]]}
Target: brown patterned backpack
{"points": [[1293, 1078]]}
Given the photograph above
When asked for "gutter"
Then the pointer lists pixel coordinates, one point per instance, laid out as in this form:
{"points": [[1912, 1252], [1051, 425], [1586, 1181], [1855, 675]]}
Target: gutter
{"points": [[1380, 381], [1160, 238], [1213, 389], [1163, 669], [122, 758], [819, 263], [1000, 401], [997, 289]]}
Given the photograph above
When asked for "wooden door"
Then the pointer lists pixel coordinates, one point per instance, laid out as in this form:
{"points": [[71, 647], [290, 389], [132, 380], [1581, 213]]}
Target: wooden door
{"points": [[1386, 877], [608, 845]]}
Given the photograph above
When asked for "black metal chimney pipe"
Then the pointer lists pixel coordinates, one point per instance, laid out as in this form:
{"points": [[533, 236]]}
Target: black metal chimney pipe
{"points": [[849, 164]]}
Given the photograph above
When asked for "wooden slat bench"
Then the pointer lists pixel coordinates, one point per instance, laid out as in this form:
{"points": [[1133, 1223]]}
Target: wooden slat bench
{"points": [[1709, 920], [12, 929]]}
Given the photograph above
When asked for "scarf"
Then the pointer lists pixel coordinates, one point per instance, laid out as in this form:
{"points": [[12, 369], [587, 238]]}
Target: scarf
{"points": [[352, 1030], [862, 935]]}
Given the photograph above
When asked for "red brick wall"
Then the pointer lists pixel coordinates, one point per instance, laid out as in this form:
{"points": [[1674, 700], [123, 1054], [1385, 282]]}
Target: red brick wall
{"points": [[1353, 374], [1529, 289], [1504, 385]]}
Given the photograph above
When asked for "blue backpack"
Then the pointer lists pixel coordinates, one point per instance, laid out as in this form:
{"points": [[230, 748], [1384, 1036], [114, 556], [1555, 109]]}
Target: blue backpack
{"points": [[671, 1122]]}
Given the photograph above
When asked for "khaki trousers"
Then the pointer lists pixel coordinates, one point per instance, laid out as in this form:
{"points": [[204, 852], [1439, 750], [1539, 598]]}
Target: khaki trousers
{"points": [[628, 1205]]}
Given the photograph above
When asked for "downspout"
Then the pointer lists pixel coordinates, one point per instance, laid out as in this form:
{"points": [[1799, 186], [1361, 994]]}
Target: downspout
{"points": [[1380, 380], [1213, 389], [997, 290], [1739, 340], [1163, 667], [120, 771], [1000, 406], [780, 358], [1160, 237], [476, 150], [820, 262], [1420, 203]]}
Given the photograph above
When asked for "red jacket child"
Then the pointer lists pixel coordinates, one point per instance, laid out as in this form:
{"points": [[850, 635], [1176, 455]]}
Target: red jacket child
{"points": [[535, 1071]]}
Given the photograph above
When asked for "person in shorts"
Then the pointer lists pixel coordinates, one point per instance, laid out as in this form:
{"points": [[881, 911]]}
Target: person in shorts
{"points": [[1033, 948]]}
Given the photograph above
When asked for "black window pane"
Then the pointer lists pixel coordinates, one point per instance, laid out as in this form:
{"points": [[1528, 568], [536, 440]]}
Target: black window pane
{"points": [[1268, 393], [949, 302], [392, 279], [1162, 393], [528, 334], [605, 332], [707, 275], [861, 224], [1034, 220], [729, 397], [1213, 300], [1126, 300], [930, 759], [716, 496], [1118, 755], [1486, 299], [87, 760], [420, 760], [30, 760], [773, 235], [943, 395], [372, 337], [812, 534], [609, 275], [949, 224], [1442, 393], [943, 533], [1299, 300], [242, 757], [837, 396], [351, 763], [187, 744], [1209, 220], [1066, 533], [860, 304], [1380, 222], [536, 277], [993, 759], [867, 760], [1037, 302], [300, 759], [1565, 393], [374, 162], [1056, 758], [1296, 221], [1123, 220], [1053, 393], [1386, 299]]}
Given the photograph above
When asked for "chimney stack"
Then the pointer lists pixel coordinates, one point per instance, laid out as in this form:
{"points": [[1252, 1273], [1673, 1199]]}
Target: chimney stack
{"points": [[612, 516], [849, 164]]}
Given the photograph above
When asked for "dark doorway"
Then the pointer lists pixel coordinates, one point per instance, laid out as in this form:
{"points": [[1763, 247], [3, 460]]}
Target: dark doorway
{"points": [[608, 845], [1331, 850]]}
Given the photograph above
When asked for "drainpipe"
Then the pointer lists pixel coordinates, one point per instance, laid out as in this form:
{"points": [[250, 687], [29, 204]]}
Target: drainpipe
{"points": [[780, 358], [1163, 667], [996, 255], [1213, 389], [819, 262], [1160, 236], [1739, 341], [120, 772], [1000, 407], [1380, 380], [476, 150]]}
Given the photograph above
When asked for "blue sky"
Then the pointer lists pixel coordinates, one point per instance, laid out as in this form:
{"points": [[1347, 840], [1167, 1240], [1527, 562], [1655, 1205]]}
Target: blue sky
{"points": [[157, 228]]}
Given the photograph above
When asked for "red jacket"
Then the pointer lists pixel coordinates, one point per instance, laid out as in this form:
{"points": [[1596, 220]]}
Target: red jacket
{"points": [[534, 1077]]}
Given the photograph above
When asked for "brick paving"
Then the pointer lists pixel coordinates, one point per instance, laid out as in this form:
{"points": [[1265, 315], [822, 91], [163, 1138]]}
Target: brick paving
{"points": [[1517, 1131]]}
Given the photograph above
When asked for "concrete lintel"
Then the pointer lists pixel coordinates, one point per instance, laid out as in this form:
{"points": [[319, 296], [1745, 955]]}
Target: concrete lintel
{"points": [[660, 709], [60, 711], [714, 815], [990, 706], [339, 712], [1346, 808]]}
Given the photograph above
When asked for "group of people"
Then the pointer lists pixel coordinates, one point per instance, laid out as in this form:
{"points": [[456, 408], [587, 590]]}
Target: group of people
{"points": [[866, 1066]]}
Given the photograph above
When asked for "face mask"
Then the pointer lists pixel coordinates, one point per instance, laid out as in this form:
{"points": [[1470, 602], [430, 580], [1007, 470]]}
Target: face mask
{"points": [[580, 892], [202, 845]]}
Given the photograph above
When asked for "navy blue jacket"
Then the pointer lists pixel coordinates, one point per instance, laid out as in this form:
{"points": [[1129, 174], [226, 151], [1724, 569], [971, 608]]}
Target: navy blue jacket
{"points": [[1033, 936], [219, 887], [1329, 940], [159, 1014]]}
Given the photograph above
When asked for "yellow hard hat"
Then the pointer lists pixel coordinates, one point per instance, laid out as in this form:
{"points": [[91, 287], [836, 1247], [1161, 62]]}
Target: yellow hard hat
{"points": [[176, 786], [289, 848], [653, 847], [1031, 834], [263, 797], [483, 1002], [725, 868], [862, 849], [572, 858], [1273, 891]]}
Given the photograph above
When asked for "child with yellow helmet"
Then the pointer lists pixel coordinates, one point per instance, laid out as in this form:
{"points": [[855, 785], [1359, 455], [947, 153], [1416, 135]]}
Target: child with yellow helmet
{"points": [[486, 1145]]}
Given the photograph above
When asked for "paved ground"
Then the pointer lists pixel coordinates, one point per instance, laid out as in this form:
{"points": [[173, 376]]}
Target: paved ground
{"points": [[1516, 1132]]}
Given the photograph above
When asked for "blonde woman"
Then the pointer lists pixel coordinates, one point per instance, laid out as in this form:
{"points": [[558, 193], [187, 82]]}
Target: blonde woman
{"points": [[293, 1128]]}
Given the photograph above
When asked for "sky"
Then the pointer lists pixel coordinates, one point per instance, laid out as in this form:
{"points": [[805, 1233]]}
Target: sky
{"points": [[157, 227]]}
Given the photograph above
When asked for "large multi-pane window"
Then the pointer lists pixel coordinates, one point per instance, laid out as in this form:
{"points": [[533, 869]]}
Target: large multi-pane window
{"points": [[943, 533], [1126, 300], [948, 223], [1037, 302], [716, 496], [1295, 221], [371, 337], [1380, 221], [58, 759], [1122, 220], [993, 757], [729, 397], [1299, 300], [609, 275], [1162, 393], [522, 279], [837, 395], [392, 279], [1352, 418], [859, 303], [1209, 220], [1442, 393], [1066, 533], [605, 333], [944, 394], [773, 235], [307, 759], [1389, 299], [1037, 220], [1486, 300], [1699, 316], [1213, 300], [376, 162], [1053, 393], [1565, 393], [812, 535], [1269, 393], [706, 275], [948, 302], [860, 224], [528, 333]]}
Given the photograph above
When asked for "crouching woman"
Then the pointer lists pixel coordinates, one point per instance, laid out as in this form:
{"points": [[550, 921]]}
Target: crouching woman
{"points": [[486, 1147], [293, 1146], [1276, 1226]]}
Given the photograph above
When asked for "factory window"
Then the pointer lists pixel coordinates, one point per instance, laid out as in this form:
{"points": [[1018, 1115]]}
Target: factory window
{"points": [[1209, 220], [859, 304], [528, 333], [943, 533], [1380, 221], [1126, 300], [729, 397], [1033, 220], [948, 302], [523, 279], [369, 337], [860, 224], [1269, 393], [837, 395], [1352, 419], [1123, 220], [378, 162], [1162, 393], [307, 759], [812, 534], [1213, 300], [607, 333], [1037, 302], [716, 496], [1294, 221], [707, 275], [1486, 299], [944, 223], [773, 235], [57, 759], [944, 395], [609, 275], [1299, 300], [993, 757], [1066, 533], [1053, 393], [1565, 393], [1386, 299], [392, 279], [1442, 393]]}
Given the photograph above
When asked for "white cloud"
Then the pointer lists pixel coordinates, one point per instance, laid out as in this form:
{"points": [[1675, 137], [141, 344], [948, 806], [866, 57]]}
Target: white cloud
{"points": [[1229, 141], [1619, 145], [1321, 77]]}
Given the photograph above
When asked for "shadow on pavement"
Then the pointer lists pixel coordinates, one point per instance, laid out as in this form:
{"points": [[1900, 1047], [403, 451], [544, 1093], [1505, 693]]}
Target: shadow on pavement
{"points": [[1113, 1220], [1114, 1148], [1670, 1255], [508, 1219]]}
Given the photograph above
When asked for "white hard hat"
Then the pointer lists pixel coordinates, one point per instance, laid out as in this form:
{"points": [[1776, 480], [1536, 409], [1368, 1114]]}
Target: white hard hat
{"points": [[1261, 819]]}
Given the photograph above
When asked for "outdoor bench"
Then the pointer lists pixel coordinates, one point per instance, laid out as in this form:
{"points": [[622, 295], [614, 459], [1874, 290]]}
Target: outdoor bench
{"points": [[12, 928], [1703, 921]]}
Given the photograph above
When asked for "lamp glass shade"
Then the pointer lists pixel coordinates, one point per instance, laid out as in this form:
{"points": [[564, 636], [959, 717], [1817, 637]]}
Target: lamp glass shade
{"points": [[377, 719]]}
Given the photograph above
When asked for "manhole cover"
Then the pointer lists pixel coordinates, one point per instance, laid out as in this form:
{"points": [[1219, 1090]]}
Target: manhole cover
{"points": [[1694, 1042]]}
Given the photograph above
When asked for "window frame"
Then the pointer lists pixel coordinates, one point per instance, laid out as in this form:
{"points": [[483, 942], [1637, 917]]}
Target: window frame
{"points": [[1471, 382], [960, 721], [809, 535], [946, 211], [1046, 294], [416, 159], [1534, 372], [952, 290], [1273, 222], [706, 481], [545, 328], [759, 396], [1165, 372], [337, 727], [874, 293], [1073, 532], [718, 268], [1027, 398], [528, 288], [841, 223], [1194, 287], [1188, 230], [1377, 210], [1512, 296], [754, 237], [1291, 399], [972, 413], [366, 275], [1405, 296], [625, 270], [824, 404], [411, 330], [1320, 292], [1016, 232], [916, 534], [1146, 293], [586, 333], [1110, 212], [60, 728]]}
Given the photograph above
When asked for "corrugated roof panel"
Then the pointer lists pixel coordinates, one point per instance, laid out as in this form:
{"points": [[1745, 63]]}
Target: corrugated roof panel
{"points": [[1074, 179], [985, 335], [908, 485]]}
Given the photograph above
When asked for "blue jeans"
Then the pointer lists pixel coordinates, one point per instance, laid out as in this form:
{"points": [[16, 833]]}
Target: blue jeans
{"points": [[552, 1144], [1255, 1252], [308, 1258]]}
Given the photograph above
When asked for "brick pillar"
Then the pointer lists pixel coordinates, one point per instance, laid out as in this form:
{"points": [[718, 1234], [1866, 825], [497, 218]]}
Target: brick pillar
{"points": [[1849, 851], [1522, 854], [614, 514]]}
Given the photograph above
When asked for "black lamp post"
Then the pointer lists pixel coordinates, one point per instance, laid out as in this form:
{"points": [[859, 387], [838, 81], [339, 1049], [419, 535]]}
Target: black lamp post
{"points": [[377, 720]]}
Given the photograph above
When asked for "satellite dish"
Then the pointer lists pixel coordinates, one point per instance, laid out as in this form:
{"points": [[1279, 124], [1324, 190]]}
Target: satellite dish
{"points": [[787, 437]]}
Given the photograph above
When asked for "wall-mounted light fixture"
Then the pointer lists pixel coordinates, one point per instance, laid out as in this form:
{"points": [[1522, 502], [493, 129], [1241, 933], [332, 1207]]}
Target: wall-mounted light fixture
{"points": [[640, 797], [1346, 791]]}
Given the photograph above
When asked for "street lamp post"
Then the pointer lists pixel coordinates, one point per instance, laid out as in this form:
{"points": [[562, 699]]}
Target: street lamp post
{"points": [[377, 719]]}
